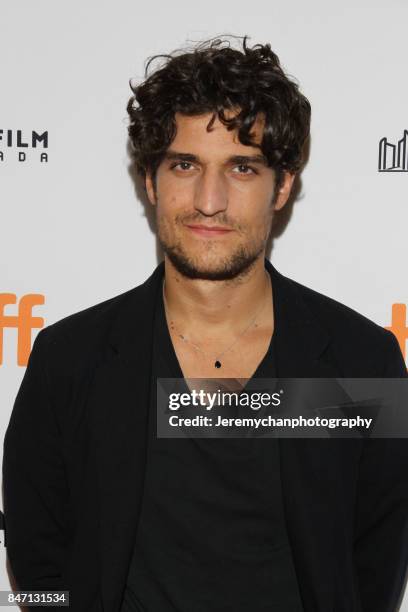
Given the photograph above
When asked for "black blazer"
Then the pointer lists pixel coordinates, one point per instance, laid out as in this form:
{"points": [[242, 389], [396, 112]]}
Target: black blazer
{"points": [[74, 456]]}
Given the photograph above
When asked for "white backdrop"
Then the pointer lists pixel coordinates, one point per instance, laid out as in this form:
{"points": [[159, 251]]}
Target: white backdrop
{"points": [[72, 228]]}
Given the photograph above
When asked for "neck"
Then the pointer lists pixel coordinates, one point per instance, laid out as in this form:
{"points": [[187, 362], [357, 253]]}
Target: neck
{"points": [[219, 306]]}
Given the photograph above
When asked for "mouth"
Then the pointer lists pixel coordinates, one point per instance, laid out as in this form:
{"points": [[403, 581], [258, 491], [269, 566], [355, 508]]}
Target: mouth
{"points": [[207, 230]]}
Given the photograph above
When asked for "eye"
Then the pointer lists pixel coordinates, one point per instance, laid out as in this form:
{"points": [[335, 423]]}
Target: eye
{"points": [[182, 165], [244, 169]]}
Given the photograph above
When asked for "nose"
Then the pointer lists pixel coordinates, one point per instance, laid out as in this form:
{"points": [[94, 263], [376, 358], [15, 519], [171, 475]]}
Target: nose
{"points": [[211, 195]]}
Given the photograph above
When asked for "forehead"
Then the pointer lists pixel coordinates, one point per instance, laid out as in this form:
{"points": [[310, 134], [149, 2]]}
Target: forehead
{"points": [[192, 133]]}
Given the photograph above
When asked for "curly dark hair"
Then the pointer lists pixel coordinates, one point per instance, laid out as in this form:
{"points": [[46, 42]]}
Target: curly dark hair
{"points": [[214, 77]]}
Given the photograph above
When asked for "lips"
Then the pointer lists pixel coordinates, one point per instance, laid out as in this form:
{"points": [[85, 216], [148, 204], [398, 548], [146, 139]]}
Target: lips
{"points": [[209, 230]]}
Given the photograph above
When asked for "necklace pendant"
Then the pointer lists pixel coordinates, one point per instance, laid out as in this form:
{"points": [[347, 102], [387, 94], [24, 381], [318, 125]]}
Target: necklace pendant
{"points": [[217, 364]]}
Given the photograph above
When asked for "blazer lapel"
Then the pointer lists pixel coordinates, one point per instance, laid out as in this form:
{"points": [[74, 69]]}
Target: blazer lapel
{"points": [[305, 462], [119, 406]]}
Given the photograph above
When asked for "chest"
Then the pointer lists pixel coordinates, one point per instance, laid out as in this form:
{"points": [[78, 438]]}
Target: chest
{"points": [[240, 361]]}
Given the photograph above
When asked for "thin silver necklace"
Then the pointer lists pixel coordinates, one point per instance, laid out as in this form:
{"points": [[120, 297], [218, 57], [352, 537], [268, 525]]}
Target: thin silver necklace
{"points": [[217, 362]]}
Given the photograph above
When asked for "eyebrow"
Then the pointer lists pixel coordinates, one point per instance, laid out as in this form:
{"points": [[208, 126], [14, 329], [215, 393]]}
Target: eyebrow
{"points": [[234, 159]]}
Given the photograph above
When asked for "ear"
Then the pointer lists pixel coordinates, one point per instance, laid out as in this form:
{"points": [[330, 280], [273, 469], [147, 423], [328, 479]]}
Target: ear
{"points": [[284, 190], [150, 190]]}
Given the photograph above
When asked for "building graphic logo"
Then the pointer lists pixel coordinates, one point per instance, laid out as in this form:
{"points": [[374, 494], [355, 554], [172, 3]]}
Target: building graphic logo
{"points": [[391, 157]]}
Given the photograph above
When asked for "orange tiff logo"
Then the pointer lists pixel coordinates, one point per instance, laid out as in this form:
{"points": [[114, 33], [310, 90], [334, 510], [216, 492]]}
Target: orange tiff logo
{"points": [[399, 325], [23, 321]]}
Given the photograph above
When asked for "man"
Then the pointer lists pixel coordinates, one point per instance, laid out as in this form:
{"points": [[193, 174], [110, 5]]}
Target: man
{"points": [[94, 501]]}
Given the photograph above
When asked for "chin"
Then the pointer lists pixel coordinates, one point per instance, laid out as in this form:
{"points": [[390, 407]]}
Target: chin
{"points": [[209, 268]]}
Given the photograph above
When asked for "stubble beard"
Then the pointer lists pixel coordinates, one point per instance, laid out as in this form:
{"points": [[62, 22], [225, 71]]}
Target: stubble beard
{"points": [[237, 264]]}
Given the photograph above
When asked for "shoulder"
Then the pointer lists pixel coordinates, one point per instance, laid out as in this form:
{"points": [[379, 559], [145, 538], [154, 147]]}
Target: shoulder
{"points": [[336, 316], [93, 319], [356, 339], [75, 341], [90, 326]]}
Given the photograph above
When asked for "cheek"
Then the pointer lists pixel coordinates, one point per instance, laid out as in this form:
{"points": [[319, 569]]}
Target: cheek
{"points": [[252, 203], [171, 209], [174, 194], [258, 191]]}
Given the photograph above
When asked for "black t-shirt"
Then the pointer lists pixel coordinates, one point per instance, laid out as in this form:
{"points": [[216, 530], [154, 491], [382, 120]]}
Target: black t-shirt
{"points": [[211, 535]]}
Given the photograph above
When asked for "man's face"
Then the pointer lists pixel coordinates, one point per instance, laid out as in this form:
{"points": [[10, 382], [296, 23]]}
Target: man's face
{"points": [[210, 179]]}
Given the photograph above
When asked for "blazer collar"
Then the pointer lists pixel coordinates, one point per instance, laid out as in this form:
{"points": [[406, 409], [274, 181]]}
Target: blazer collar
{"points": [[300, 337]]}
